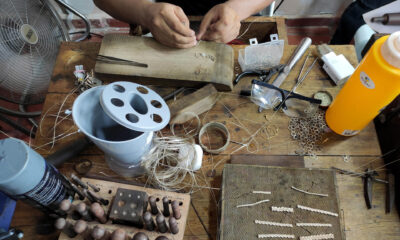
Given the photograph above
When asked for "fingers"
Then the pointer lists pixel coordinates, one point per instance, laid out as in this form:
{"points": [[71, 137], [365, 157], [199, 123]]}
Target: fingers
{"points": [[205, 23], [177, 22], [221, 32], [173, 39], [182, 17]]}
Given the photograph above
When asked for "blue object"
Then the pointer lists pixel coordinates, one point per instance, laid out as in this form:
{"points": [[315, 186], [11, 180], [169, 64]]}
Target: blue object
{"points": [[7, 207]]}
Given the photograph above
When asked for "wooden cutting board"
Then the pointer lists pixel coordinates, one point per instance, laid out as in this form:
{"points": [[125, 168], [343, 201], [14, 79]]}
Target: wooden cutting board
{"points": [[208, 62]]}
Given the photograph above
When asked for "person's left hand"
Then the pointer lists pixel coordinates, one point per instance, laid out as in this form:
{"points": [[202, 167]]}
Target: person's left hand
{"points": [[220, 24]]}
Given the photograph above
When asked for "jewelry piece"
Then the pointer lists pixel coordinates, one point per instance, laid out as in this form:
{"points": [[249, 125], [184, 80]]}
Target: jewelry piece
{"points": [[282, 209], [277, 224], [313, 224], [310, 193], [252, 204], [318, 237], [261, 192], [275, 236], [317, 210]]}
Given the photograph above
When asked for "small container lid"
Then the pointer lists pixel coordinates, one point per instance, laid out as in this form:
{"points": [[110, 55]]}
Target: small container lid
{"points": [[21, 168], [390, 50], [135, 106]]}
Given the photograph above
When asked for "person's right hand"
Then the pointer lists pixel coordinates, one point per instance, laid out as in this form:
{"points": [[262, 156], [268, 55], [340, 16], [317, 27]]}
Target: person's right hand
{"points": [[169, 25]]}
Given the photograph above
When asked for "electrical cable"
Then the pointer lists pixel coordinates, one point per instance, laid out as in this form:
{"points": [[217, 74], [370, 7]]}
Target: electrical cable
{"points": [[91, 33], [31, 120], [19, 114], [277, 7], [17, 126]]}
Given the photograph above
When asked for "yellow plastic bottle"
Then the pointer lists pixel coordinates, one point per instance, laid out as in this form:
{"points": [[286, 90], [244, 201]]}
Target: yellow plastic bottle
{"points": [[374, 84]]}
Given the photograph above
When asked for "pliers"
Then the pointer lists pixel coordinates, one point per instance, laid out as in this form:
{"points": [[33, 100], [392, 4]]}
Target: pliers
{"points": [[264, 75], [369, 176]]}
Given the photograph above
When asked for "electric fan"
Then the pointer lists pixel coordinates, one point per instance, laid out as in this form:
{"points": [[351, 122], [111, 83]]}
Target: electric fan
{"points": [[30, 34]]}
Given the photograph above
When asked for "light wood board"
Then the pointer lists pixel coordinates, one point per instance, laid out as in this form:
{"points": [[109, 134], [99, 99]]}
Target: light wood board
{"points": [[108, 190], [208, 62], [240, 180]]}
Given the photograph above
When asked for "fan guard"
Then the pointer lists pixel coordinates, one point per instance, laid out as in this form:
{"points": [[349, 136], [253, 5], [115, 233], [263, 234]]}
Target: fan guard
{"points": [[30, 36]]}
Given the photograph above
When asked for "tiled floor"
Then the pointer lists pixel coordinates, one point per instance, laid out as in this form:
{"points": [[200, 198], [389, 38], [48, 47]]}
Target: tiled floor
{"points": [[319, 30]]}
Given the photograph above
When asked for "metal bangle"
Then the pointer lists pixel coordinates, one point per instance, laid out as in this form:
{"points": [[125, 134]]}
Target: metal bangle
{"points": [[215, 126]]}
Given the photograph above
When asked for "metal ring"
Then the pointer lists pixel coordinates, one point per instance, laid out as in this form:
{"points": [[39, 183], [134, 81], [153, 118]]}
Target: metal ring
{"points": [[215, 126]]}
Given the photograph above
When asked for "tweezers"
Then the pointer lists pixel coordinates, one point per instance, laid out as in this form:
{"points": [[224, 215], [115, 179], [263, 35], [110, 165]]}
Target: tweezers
{"points": [[114, 60]]}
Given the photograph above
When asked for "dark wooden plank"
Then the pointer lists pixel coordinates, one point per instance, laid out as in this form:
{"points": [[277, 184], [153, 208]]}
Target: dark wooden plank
{"points": [[268, 160]]}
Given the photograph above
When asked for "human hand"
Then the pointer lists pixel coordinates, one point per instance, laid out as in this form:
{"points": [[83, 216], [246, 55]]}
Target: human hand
{"points": [[220, 24], [169, 25]]}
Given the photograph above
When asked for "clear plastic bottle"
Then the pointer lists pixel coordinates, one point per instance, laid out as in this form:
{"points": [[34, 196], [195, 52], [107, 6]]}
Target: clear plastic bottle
{"points": [[374, 84]]}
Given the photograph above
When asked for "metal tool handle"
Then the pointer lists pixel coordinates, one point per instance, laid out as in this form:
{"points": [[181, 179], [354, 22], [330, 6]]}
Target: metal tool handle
{"points": [[77, 13], [298, 53]]}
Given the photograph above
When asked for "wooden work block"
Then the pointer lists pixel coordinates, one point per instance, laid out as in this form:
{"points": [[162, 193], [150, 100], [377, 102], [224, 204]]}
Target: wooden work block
{"points": [[198, 102], [108, 191], [208, 62], [239, 182]]}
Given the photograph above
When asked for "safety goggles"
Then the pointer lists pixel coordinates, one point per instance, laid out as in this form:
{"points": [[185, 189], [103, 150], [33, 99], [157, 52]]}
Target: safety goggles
{"points": [[268, 96]]}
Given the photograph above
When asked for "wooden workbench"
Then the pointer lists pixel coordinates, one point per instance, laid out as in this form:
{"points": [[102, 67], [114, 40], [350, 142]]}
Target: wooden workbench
{"points": [[359, 223]]}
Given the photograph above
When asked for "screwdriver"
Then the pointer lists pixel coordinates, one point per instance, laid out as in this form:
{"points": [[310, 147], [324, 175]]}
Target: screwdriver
{"points": [[388, 19]]}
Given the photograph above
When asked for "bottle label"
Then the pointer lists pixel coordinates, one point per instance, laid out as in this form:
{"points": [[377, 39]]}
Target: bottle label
{"points": [[50, 190], [366, 81], [350, 132]]}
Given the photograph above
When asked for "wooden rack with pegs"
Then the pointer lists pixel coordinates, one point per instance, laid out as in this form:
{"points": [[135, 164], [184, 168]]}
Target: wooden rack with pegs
{"points": [[108, 191]]}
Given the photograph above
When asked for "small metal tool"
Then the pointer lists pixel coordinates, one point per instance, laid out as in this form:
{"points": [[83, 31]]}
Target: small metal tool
{"points": [[66, 227], [120, 61], [173, 225], [118, 234], [98, 232], [98, 212], [140, 236], [153, 205], [95, 189], [83, 210], [148, 221], [162, 238], [161, 224], [300, 81], [166, 212], [368, 177], [175, 209], [78, 191], [80, 226], [78, 181], [97, 198], [264, 75], [388, 19]]}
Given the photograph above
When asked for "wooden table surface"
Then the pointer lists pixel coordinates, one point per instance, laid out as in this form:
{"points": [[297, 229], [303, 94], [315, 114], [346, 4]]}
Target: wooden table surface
{"points": [[355, 153]]}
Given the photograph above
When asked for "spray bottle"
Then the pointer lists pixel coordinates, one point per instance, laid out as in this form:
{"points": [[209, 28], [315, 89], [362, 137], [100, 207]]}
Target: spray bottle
{"points": [[24, 174], [374, 85]]}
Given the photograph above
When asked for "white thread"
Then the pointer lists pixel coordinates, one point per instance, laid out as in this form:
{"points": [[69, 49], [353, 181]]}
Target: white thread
{"points": [[277, 224], [261, 192], [317, 210], [252, 204], [318, 237], [310, 193], [313, 224], [275, 236], [282, 209]]}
